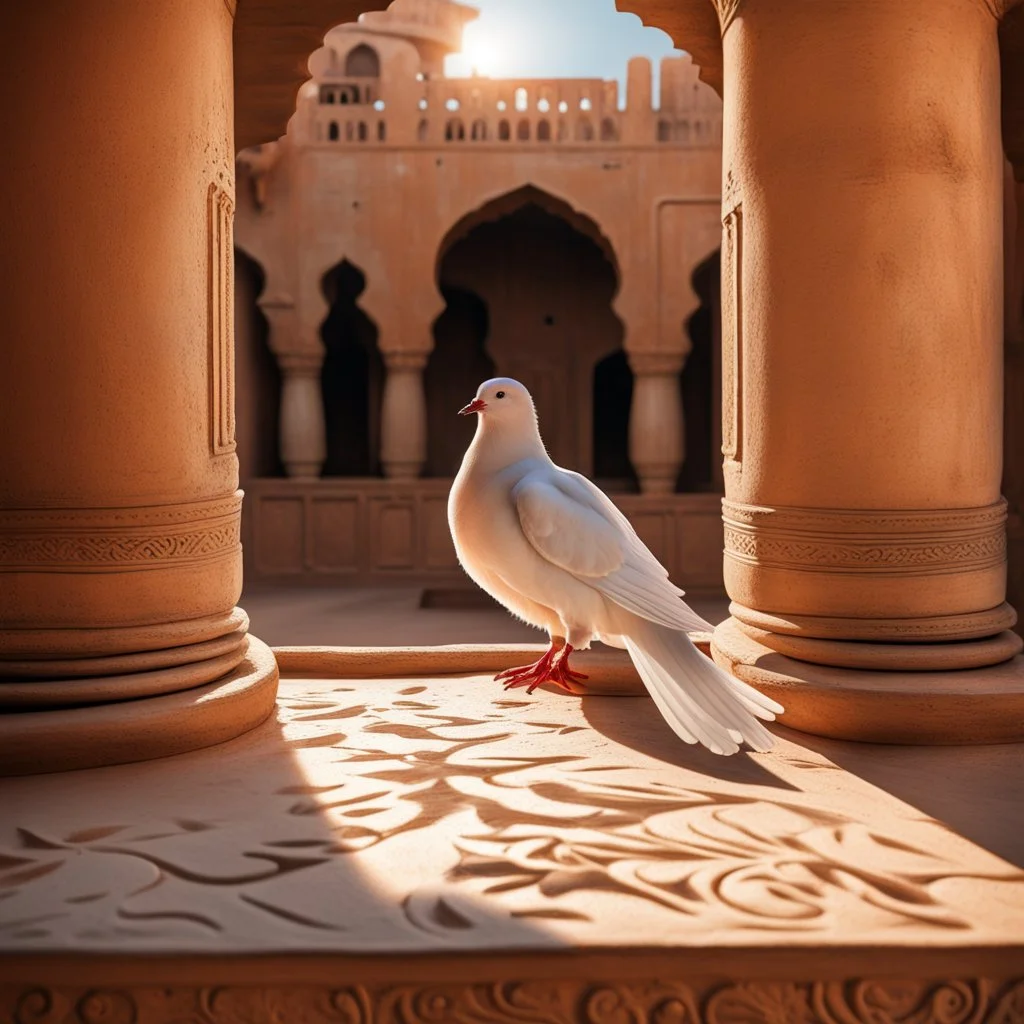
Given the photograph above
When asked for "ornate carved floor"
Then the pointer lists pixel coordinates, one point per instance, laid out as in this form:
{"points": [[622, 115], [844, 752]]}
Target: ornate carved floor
{"points": [[439, 850]]}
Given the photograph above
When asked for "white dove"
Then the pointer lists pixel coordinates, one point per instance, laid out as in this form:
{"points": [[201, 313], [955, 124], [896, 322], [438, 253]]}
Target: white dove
{"points": [[553, 549]]}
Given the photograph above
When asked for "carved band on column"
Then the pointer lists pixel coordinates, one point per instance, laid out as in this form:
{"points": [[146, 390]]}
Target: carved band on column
{"points": [[657, 445], [822, 564], [108, 539], [110, 564], [404, 415]]}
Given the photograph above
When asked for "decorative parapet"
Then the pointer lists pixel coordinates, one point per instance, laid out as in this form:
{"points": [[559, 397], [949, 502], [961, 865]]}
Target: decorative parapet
{"points": [[347, 110]]}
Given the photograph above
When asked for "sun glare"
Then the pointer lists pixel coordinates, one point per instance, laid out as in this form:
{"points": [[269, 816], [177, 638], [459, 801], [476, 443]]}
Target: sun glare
{"points": [[481, 53]]}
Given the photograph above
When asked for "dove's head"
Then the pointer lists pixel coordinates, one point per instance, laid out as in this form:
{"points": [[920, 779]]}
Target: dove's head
{"points": [[502, 401]]}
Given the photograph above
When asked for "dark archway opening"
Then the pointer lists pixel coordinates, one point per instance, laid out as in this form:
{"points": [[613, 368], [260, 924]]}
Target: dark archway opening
{"points": [[613, 396], [701, 382], [352, 377], [546, 278], [457, 365], [257, 377]]}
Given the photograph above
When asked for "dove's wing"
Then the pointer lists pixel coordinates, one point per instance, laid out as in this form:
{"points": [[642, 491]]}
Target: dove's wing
{"points": [[572, 524]]}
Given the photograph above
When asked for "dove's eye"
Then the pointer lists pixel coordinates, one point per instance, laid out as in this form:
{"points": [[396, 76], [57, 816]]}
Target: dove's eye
{"points": [[500, 394]]}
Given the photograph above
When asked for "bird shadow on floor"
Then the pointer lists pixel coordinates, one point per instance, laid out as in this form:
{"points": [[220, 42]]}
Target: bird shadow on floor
{"points": [[642, 728]]}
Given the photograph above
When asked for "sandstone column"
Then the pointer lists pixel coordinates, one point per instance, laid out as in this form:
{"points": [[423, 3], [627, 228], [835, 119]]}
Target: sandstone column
{"points": [[120, 562], [657, 445], [403, 428], [862, 368]]}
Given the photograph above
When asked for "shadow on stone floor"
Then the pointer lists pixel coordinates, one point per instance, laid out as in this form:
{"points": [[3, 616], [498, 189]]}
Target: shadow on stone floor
{"points": [[263, 842], [975, 790], [644, 730]]}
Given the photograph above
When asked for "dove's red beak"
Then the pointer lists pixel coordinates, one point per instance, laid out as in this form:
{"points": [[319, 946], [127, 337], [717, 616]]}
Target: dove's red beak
{"points": [[477, 405]]}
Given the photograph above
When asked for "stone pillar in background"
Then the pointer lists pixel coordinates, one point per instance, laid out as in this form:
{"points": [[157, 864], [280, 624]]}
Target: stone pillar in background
{"points": [[657, 445], [303, 434], [120, 561], [403, 428], [300, 357], [862, 369]]}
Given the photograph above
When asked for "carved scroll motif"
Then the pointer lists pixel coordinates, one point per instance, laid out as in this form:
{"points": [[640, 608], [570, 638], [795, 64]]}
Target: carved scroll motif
{"points": [[220, 214], [732, 334]]}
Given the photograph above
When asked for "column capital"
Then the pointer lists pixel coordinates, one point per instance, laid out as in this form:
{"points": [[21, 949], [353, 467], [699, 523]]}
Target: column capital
{"points": [[399, 361], [727, 11], [656, 364], [276, 305], [304, 363]]}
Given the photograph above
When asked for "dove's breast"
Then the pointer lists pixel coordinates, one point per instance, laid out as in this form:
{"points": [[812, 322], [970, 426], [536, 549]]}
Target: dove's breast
{"points": [[489, 540], [484, 523]]}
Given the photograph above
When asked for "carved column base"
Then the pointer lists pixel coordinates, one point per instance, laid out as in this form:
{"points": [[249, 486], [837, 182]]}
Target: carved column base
{"points": [[980, 705], [122, 641], [896, 657], [33, 742]]}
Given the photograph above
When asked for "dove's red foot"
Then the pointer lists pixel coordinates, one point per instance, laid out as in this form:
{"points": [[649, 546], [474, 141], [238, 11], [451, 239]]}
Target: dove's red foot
{"points": [[551, 667]]}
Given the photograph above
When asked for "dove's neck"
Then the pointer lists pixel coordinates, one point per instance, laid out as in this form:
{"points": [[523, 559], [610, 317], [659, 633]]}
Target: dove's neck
{"points": [[496, 446]]}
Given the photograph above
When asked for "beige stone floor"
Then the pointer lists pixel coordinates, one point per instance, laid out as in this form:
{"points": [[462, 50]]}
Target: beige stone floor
{"points": [[390, 617], [430, 843]]}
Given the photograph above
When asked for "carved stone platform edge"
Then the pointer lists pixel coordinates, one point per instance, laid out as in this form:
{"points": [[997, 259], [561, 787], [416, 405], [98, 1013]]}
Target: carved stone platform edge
{"points": [[555, 1001]]}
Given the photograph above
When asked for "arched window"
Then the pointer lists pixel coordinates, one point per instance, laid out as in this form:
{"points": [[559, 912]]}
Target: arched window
{"points": [[584, 130], [523, 131], [454, 130], [362, 62], [326, 94], [332, 132], [521, 99], [504, 134], [344, 96], [362, 131], [608, 133], [543, 131], [421, 131], [478, 133], [664, 131], [382, 131]]}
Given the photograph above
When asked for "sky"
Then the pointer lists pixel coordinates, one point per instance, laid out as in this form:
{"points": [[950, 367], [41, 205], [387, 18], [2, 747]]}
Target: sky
{"points": [[555, 39]]}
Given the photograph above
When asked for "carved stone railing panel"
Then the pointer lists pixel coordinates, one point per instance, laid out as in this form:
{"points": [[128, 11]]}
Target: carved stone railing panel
{"points": [[370, 530]]}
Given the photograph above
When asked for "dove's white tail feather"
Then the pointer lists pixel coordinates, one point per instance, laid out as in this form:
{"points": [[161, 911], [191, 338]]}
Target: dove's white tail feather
{"points": [[701, 702]]}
